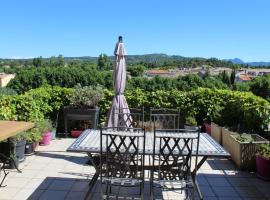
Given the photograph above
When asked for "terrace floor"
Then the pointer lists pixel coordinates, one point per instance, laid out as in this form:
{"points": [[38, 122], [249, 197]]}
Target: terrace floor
{"points": [[54, 174]]}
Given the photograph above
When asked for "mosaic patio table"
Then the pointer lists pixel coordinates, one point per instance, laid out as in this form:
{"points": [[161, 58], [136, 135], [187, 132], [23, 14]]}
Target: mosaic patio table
{"points": [[89, 142]]}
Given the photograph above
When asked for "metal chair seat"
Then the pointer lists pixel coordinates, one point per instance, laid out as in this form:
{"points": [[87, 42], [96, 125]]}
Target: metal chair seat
{"points": [[126, 182]]}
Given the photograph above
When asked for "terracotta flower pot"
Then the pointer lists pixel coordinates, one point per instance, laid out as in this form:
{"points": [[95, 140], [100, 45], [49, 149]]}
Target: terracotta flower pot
{"points": [[207, 128], [263, 167]]}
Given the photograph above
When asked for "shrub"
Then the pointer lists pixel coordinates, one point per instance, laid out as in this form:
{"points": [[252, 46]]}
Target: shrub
{"points": [[86, 97]]}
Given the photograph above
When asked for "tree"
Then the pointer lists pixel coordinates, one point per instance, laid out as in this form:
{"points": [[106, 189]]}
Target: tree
{"points": [[60, 61], [225, 78], [136, 70], [260, 86], [103, 62], [232, 78], [38, 62]]}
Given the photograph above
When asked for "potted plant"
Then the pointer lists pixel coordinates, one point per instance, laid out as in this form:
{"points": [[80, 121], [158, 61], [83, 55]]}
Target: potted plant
{"points": [[84, 105], [18, 145], [263, 161], [32, 138], [14, 145], [45, 128], [190, 123]]}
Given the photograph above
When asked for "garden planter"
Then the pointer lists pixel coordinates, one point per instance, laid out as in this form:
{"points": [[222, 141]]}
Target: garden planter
{"points": [[226, 138], [29, 148], [53, 134], [263, 167], [243, 153], [216, 132], [46, 138], [35, 145], [76, 133], [90, 115], [190, 127], [20, 148]]}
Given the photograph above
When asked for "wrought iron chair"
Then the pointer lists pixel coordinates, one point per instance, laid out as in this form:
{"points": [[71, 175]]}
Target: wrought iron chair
{"points": [[130, 117], [171, 164], [6, 161], [122, 162], [166, 118]]}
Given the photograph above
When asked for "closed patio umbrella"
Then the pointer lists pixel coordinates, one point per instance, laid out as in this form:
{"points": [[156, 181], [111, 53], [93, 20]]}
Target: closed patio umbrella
{"points": [[119, 101]]}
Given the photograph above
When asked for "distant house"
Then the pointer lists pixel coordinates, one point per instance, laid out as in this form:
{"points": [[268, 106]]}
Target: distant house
{"points": [[160, 72], [5, 78], [243, 78]]}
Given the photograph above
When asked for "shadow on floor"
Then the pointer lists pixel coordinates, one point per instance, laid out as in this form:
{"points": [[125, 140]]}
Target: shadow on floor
{"points": [[56, 155], [57, 188]]}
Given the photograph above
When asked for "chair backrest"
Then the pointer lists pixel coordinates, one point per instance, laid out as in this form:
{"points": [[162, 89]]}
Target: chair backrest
{"points": [[166, 118], [130, 117], [122, 153], [173, 150]]}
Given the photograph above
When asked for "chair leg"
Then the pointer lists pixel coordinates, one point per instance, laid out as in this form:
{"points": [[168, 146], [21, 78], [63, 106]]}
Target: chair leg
{"points": [[5, 175]]}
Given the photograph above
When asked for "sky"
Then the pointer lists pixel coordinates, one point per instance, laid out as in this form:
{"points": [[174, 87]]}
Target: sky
{"points": [[193, 28]]}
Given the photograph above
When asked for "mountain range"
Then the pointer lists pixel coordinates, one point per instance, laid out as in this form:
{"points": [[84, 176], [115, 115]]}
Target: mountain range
{"points": [[152, 58], [239, 61]]}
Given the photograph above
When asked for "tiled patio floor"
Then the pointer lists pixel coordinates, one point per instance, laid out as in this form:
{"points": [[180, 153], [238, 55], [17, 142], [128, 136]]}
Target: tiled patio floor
{"points": [[54, 174]]}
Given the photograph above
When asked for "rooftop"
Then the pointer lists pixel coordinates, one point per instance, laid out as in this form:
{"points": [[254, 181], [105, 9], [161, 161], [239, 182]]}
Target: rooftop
{"points": [[52, 173]]}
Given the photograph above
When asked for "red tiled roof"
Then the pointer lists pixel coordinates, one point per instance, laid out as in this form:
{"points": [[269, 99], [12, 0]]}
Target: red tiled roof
{"points": [[157, 71], [245, 77]]}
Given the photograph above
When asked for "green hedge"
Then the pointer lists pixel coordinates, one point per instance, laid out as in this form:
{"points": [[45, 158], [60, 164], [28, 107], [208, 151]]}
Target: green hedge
{"points": [[228, 108]]}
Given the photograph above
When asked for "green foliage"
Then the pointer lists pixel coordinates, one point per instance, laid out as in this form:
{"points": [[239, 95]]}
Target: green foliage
{"points": [[225, 78], [86, 97], [231, 108], [17, 138], [260, 86], [83, 74], [38, 62], [44, 125], [103, 62], [136, 70], [7, 91], [244, 138], [191, 121], [264, 150], [242, 87], [33, 135]]}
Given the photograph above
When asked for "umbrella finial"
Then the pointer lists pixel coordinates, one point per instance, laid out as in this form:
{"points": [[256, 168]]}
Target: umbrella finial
{"points": [[120, 39]]}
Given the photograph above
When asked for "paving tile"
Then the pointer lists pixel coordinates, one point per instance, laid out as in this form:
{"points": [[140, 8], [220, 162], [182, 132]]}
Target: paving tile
{"points": [[61, 184], [53, 195], [26, 173], [36, 194], [40, 184], [80, 186], [249, 192], [223, 192], [207, 191], [8, 192], [217, 181], [55, 174], [16, 182], [73, 195], [23, 194], [239, 182]]}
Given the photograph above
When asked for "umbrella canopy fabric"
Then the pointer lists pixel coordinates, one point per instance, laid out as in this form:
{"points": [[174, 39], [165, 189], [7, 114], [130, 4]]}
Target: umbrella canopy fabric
{"points": [[119, 101]]}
